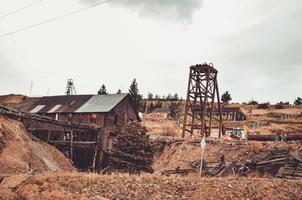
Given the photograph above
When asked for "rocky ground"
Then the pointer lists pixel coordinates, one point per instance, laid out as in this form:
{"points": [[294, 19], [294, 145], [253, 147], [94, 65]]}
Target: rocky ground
{"points": [[25, 164], [121, 186]]}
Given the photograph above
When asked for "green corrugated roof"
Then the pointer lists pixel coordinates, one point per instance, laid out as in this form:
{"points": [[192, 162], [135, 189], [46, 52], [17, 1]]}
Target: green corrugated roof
{"points": [[101, 103]]}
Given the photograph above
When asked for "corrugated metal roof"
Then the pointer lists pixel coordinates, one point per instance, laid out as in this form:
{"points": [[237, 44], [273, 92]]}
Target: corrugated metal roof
{"points": [[69, 103], [76, 103], [101, 103]]}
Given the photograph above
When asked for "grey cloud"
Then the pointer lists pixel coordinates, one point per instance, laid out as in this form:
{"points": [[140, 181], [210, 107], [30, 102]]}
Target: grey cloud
{"points": [[266, 58], [276, 42], [176, 10]]}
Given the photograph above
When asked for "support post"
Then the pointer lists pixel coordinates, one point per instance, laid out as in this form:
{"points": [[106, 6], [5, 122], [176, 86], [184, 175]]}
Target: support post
{"points": [[96, 150], [186, 106], [219, 109], [71, 145]]}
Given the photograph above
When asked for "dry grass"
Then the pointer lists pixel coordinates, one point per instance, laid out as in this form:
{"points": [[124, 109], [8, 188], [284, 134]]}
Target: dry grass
{"points": [[50, 186]]}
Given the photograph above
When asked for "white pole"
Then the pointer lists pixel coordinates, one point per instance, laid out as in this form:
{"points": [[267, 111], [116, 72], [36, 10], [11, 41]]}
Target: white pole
{"points": [[201, 162], [202, 145], [31, 87]]}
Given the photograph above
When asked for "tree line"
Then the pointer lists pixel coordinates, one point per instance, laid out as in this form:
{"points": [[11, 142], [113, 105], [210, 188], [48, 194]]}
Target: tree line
{"points": [[175, 104], [140, 105], [226, 98]]}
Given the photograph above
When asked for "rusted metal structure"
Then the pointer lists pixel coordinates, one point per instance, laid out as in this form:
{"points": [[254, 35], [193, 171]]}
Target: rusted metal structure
{"points": [[201, 93], [70, 88]]}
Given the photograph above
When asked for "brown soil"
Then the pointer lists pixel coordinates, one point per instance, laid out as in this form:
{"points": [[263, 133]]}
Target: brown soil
{"points": [[20, 153], [184, 155], [188, 154], [120, 186], [19, 102]]}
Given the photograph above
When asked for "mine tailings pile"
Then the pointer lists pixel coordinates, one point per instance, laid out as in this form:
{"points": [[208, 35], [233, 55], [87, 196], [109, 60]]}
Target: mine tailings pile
{"points": [[22, 153]]}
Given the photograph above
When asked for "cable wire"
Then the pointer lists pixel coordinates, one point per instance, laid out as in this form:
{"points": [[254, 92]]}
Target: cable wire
{"points": [[20, 9], [53, 19]]}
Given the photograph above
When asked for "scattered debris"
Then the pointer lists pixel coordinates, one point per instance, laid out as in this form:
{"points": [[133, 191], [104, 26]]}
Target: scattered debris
{"points": [[275, 162]]}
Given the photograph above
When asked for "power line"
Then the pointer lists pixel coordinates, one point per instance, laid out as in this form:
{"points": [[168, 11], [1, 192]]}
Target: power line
{"points": [[53, 19], [20, 9]]}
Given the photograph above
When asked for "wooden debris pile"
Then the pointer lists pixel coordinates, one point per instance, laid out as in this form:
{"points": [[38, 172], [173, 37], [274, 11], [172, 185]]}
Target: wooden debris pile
{"points": [[179, 171], [277, 162], [293, 167], [269, 161], [212, 169], [280, 162], [131, 150]]}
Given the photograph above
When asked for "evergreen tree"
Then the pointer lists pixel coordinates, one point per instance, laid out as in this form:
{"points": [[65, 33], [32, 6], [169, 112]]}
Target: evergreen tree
{"points": [[134, 95], [169, 97], [253, 102], [298, 101], [175, 97], [226, 97], [175, 109], [102, 90], [131, 150], [150, 96]]}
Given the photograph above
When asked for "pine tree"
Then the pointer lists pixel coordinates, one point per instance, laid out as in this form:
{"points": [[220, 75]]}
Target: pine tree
{"points": [[102, 90], [150, 96], [134, 95], [169, 97], [175, 97], [131, 150], [226, 97], [298, 101], [175, 109]]}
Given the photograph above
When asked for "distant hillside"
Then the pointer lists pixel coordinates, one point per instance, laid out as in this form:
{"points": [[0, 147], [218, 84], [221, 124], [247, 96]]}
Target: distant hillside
{"points": [[18, 101]]}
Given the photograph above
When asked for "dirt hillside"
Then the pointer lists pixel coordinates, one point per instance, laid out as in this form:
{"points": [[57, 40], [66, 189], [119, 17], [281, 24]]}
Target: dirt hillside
{"points": [[18, 101], [187, 154], [20, 153]]}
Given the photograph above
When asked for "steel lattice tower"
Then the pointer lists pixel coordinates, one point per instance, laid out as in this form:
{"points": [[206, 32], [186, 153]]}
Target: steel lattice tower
{"points": [[70, 88], [202, 90]]}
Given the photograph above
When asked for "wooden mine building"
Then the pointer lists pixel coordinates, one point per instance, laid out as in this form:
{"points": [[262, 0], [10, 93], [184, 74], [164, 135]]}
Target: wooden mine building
{"points": [[85, 147]]}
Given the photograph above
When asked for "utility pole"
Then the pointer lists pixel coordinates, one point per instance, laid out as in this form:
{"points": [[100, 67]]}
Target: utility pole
{"points": [[31, 87]]}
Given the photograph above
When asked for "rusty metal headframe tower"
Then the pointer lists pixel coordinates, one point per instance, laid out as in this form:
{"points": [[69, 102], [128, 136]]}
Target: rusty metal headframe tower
{"points": [[70, 88], [199, 109]]}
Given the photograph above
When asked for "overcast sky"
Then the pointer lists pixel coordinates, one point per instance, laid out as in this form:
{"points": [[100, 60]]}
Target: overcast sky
{"points": [[256, 46]]}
